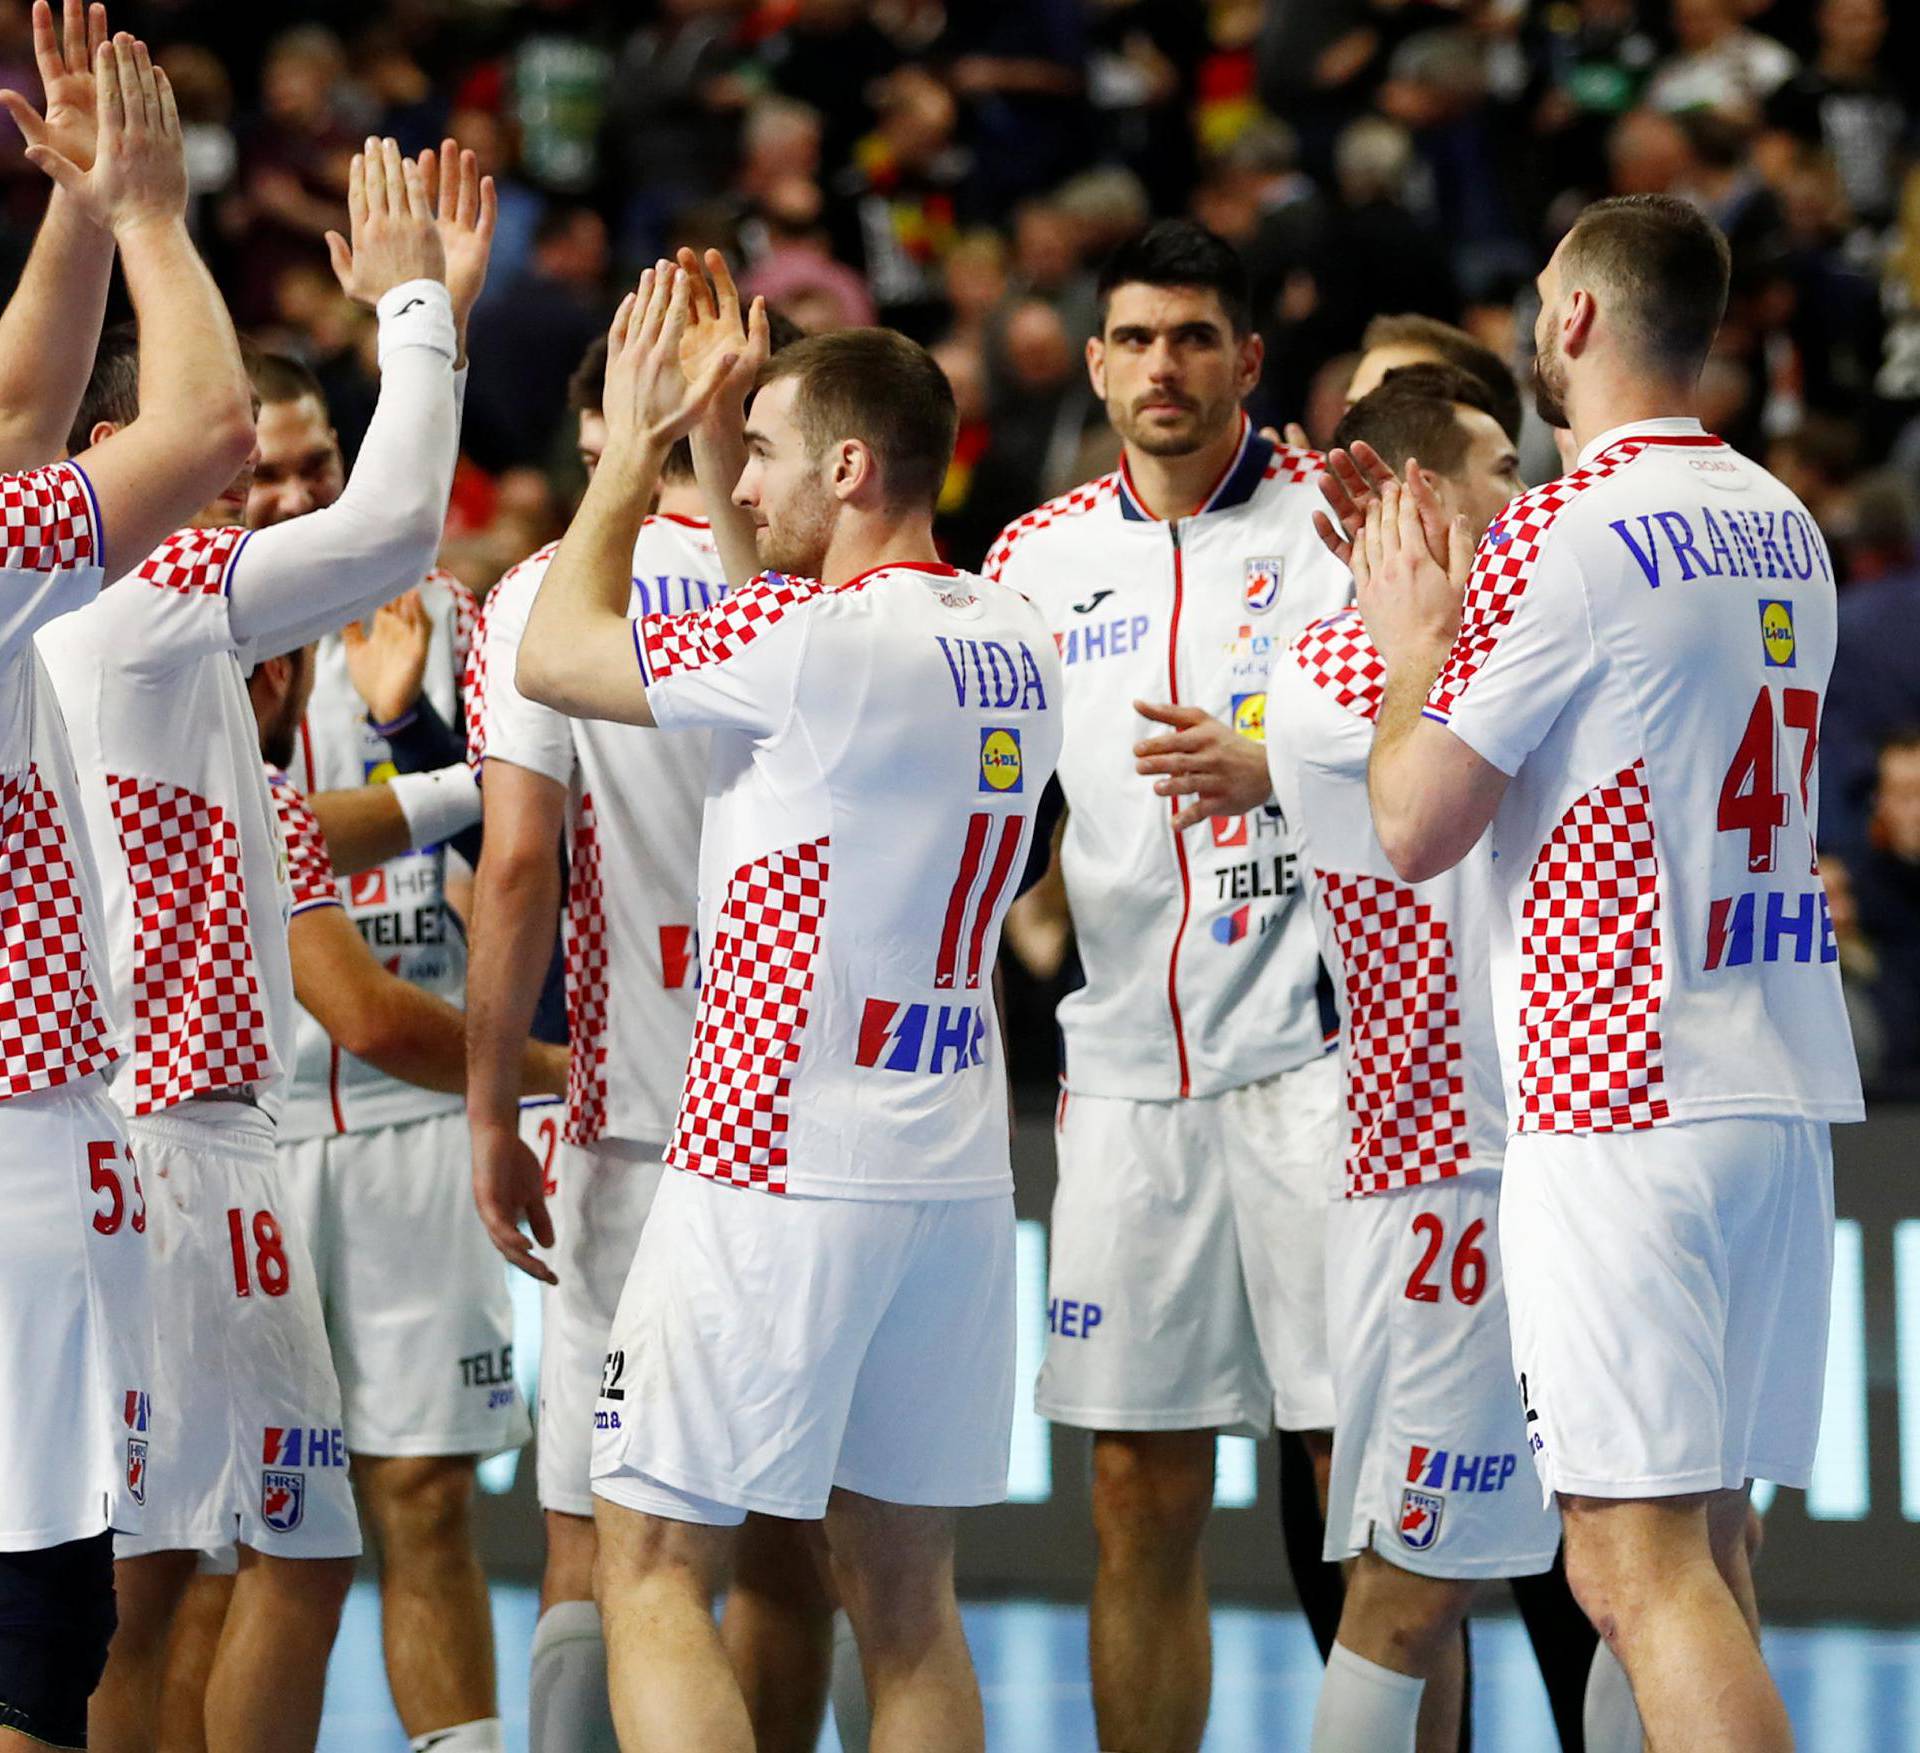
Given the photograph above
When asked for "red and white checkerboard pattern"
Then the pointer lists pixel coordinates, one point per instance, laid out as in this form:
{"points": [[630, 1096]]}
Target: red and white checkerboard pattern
{"points": [[1292, 463], [309, 865], [193, 562], [465, 620], [46, 520], [1342, 661], [586, 951], [53, 1027], [1503, 568], [1075, 504], [1406, 1082], [473, 670], [734, 1113], [199, 1022], [1590, 971], [673, 643]]}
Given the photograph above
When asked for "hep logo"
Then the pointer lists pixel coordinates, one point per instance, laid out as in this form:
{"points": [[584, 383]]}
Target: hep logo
{"points": [[1427, 1466], [367, 888], [138, 1410], [921, 1037], [291, 1446], [1439, 1470]]}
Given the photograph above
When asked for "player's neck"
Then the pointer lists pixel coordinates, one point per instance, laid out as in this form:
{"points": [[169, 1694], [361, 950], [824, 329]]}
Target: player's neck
{"points": [[862, 542], [1171, 487], [680, 499], [1620, 399]]}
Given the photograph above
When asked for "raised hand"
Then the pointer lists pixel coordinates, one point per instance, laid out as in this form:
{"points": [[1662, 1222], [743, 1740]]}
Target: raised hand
{"points": [[715, 330], [1410, 600], [1223, 772], [387, 660], [465, 208], [65, 60], [395, 236], [649, 400], [139, 169]]}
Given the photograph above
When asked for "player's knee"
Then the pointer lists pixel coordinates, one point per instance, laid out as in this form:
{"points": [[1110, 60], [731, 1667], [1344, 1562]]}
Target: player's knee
{"points": [[1152, 1492], [421, 1503], [1414, 1614], [56, 1620]]}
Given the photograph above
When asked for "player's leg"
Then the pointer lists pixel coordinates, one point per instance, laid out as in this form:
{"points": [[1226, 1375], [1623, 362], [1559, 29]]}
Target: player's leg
{"points": [[198, 1623], [436, 1625], [1564, 1646], [1321, 1589], [778, 1631], [1394, 1679], [56, 1616], [568, 1710], [270, 1673], [1148, 1634], [667, 1671], [1152, 1346], [426, 1372], [893, 1565], [1645, 1572]]}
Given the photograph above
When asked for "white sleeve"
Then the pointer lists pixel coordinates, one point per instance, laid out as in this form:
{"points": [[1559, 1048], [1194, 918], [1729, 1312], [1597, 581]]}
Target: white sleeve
{"points": [[313, 574], [49, 550], [502, 723]]}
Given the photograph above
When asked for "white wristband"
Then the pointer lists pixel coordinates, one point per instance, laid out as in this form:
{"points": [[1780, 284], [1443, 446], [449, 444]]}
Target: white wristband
{"points": [[437, 805], [416, 313]]}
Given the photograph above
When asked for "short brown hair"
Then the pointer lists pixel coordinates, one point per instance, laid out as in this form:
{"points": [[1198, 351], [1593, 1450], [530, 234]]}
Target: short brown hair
{"points": [[1668, 264], [276, 378], [1414, 413], [1458, 349], [877, 386]]}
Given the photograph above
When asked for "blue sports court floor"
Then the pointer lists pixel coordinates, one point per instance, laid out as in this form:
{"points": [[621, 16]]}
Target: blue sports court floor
{"points": [[1851, 1690]]}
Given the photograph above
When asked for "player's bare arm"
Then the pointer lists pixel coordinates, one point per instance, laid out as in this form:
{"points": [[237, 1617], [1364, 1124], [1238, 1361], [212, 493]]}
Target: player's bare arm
{"points": [[1432, 796], [578, 653], [516, 910], [1223, 772], [366, 825], [52, 321], [715, 330], [195, 425]]}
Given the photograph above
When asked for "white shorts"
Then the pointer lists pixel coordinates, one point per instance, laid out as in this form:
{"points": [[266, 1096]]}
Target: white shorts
{"points": [[1668, 1290], [598, 1200], [771, 1348], [1187, 1285], [247, 1439], [1429, 1437], [414, 1294], [75, 1321]]}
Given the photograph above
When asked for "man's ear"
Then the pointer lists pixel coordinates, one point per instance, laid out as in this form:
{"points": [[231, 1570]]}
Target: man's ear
{"points": [[1253, 355], [1576, 327], [102, 431], [854, 469], [1097, 365]]}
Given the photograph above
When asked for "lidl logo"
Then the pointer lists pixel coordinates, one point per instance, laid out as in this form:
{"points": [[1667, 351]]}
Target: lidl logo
{"points": [[1250, 715], [999, 759], [1776, 633], [380, 771], [1263, 584]]}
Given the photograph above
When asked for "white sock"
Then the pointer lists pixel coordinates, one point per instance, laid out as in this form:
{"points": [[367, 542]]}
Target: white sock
{"points": [[480, 1736], [1610, 1719], [851, 1714], [567, 1706], [1365, 1708]]}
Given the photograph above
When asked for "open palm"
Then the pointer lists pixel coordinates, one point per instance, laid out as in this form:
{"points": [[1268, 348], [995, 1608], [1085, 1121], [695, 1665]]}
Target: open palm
{"points": [[465, 208], [716, 328], [66, 71]]}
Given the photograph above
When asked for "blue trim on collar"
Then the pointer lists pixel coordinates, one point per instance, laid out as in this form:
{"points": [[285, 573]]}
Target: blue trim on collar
{"points": [[1243, 477]]}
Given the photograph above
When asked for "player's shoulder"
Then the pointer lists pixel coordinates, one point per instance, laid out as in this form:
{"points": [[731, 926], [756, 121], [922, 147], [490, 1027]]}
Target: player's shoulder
{"points": [[1060, 519], [1336, 656], [193, 561], [1292, 465], [49, 520], [513, 592], [674, 539], [441, 589]]}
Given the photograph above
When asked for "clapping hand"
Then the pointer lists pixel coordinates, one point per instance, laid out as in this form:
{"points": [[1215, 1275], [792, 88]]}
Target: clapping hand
{"points": [[387, 660], [650, 401], [395, 235], [465, 209], [1410, 600]]}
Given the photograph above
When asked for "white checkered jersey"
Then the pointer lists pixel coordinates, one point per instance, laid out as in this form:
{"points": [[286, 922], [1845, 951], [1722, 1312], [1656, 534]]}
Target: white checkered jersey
{"points": [[1645, 648], [56, 1015], [400, 906], [1409, 961], [193, 868], [310, 873], [1201, 969], [879, 748], [630, 925]]}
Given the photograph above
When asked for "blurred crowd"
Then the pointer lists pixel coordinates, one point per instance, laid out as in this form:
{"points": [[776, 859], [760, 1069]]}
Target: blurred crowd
{"points": [[958, 170]]}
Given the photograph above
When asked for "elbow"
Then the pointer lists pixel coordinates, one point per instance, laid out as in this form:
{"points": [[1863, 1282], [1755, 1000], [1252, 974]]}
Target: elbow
{"points": [[224, 430], [534, 675], [1412, 847], [368, 1030]]}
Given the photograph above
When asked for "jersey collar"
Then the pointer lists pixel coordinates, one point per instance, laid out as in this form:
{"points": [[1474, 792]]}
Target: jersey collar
{"points": [[1243, 473], [1674, 429]]}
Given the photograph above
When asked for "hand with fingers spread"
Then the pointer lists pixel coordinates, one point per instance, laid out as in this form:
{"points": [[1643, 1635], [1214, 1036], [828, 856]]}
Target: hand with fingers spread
{"points": [[1409, 600], [387, 658], [65, 61], [650, 401], [466, 209], [139, 171], [396, 237], [716, 331], [1351, 480], [1223, 772]]}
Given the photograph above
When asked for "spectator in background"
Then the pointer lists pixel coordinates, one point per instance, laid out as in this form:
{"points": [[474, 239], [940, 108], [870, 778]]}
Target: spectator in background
{"points": [[204, 96], [1019, 68], [293, 177], [490, 137], [1142, 60], [1050, 264], [794, 269], [1859, 971], [403, 99], [1648, 153], [1722, 65], [527, 340], [1886, 885], [1844, 103], [1375, 239], [976, 285], [1818, 462], [1591, 63], [832, 56]]}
